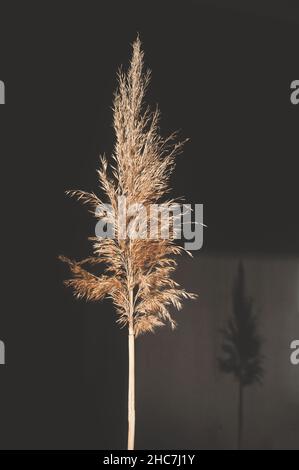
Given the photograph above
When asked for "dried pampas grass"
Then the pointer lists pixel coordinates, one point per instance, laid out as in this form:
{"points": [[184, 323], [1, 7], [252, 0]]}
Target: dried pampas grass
{"points": [[137, 272]]}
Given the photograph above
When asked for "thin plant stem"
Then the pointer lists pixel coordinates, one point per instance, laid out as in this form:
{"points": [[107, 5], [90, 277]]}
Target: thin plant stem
{"points": [[131, 387]]}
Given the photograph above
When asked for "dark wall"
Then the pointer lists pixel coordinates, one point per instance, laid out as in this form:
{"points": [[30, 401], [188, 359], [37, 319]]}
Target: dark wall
{"points": [[222, 75]]}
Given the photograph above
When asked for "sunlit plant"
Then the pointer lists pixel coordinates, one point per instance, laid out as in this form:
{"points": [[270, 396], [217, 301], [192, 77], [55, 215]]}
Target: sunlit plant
{"points": [[137, 272]]}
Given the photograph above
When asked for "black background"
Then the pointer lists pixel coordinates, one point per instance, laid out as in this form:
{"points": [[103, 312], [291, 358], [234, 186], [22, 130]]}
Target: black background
{"points": [[223, 76]]}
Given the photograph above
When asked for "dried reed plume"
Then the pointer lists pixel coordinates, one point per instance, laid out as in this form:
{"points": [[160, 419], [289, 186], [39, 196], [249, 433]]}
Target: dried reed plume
{"points": [[137, 272]]}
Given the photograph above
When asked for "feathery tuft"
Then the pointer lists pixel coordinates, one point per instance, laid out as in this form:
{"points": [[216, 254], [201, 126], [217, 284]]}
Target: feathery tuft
{"points": [[137, 272]]}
